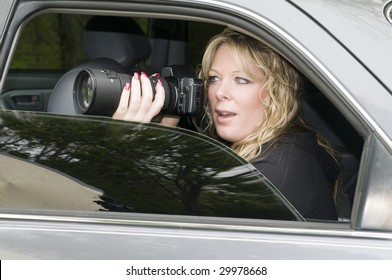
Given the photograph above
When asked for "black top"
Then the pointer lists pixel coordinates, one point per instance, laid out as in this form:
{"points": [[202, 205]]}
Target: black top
{"points": [[302, 171]]}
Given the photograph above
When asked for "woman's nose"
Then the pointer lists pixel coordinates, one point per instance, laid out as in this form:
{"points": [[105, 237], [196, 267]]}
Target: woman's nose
{"points": [[223, 91]]}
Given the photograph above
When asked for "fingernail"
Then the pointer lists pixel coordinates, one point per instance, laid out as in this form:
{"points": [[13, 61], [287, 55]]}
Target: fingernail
{"points": [[127, 86], [156, 75], [136, 76], [160, 82], [144, 74]]}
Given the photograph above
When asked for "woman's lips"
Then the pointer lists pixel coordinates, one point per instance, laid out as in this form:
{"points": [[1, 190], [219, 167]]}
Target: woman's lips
{"points": [[224, 116]]}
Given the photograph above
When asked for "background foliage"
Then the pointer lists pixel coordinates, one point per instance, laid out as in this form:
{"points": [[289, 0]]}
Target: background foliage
{"points": [[55, 41]]}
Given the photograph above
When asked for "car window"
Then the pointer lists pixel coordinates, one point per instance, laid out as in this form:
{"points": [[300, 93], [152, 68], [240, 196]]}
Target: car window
{"points": [[55, 41], [52, 44], [88, 163], [51, 41]]}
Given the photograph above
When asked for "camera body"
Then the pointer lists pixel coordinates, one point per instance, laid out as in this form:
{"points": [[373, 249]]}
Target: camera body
{"points": [[98, 91]]}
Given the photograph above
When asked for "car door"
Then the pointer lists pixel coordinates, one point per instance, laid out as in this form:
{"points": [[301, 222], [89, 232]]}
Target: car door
{"points": [[176, 223], [142, 168]]}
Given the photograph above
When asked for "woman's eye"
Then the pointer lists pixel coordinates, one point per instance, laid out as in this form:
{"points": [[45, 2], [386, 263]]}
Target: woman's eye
{"points": [[212, 79], [240, 80]]}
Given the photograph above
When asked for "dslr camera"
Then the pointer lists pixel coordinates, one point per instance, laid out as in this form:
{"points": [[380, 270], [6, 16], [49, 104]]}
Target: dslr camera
{"points": [[98, 91]]}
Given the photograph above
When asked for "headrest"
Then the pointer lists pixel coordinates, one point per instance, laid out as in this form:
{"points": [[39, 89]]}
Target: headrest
{"points": [[61, 100], [118, 38]]}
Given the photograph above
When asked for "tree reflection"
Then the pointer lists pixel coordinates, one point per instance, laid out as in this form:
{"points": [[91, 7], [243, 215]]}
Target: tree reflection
{"points": [[143, 168]]}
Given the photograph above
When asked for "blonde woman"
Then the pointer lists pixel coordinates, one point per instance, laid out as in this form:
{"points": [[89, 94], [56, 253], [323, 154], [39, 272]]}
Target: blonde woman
{"points": [[253, 104]]}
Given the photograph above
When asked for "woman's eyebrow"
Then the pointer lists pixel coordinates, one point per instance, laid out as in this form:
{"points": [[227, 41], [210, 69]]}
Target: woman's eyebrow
{"points": [[237, 72], [213, 70]]}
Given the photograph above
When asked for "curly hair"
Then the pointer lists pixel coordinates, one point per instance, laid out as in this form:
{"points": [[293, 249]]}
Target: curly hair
{"points": [[282, 83]]}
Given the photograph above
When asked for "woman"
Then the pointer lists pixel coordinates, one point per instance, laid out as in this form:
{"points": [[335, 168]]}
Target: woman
{"points": [[253, 105]]}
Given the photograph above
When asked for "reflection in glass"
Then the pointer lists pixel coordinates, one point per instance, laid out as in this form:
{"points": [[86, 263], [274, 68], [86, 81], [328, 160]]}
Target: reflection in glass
{"points": [[26, 185], [144, 168]]}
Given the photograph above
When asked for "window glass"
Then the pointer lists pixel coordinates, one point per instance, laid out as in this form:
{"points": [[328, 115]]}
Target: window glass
{"points": [[55, 41], [52, 44], [51, 41], [108, 165]]}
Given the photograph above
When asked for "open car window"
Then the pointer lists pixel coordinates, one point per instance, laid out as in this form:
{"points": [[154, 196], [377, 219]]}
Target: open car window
{"points": [[88, 163], [36, 84]]}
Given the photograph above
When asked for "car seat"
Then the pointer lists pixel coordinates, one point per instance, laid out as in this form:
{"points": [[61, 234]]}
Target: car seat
{"points": [[332, 125], [113, 43], [118, 38], [169, 43]]}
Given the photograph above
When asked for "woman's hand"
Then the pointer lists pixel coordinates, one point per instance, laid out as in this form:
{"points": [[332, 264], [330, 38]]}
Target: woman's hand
{"points": [[137, 102]]}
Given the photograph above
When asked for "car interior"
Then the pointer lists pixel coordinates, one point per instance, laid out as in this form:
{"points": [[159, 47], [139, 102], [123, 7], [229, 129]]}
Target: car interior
{"points": [[122, 45]]}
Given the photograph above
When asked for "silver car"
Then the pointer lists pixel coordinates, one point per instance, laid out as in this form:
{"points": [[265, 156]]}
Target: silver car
{"points": [[75, 186]]}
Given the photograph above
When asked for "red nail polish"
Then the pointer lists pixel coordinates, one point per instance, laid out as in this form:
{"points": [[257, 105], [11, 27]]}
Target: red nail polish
{"points": [[160, 82], [144, 74]]}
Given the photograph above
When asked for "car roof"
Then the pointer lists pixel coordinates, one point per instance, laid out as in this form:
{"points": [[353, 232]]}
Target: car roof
{"points": [[360, 26]]}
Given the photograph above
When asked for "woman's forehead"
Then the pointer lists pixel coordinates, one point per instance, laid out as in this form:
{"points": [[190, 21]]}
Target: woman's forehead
{"points": [[230, 54]]}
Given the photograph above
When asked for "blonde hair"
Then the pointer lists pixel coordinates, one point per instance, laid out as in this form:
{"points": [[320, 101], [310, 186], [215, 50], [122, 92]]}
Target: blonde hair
{"points": [[283, 85]]}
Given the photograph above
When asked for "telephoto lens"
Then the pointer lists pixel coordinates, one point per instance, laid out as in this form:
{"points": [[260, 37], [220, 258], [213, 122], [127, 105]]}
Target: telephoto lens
{"points": [[98, 91]]}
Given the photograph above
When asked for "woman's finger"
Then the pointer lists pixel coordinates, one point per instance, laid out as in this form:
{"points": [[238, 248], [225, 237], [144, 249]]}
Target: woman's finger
{"points": [[146, 98], [135, 96], [158, 102], [123, 104]]}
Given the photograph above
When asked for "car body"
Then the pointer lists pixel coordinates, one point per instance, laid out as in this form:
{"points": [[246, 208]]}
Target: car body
{"points": [[87, 187]]}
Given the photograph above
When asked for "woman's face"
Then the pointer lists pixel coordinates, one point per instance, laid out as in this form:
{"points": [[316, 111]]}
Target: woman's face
{"points": [[236, 101]]}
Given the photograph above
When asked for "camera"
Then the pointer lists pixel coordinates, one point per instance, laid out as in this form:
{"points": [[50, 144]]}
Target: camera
{"points": [[98, 91]]}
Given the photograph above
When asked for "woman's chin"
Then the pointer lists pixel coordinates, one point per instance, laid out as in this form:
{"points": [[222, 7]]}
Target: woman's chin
{"points": [[228, 134]]}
